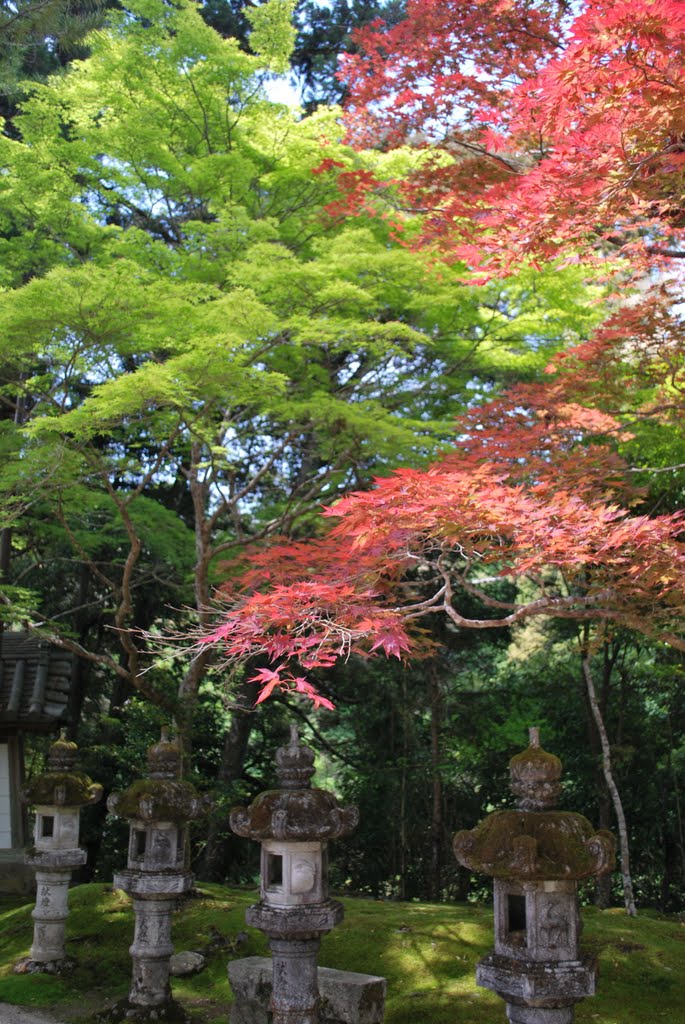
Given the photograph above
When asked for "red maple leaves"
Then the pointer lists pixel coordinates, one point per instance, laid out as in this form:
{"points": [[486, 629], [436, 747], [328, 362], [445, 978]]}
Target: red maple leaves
{"points": [[564, 131], [501, 506], [561, 131]]}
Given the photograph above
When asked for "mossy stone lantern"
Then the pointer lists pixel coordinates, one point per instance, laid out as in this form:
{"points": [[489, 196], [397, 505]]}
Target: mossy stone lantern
{"points": [[294, 824], [159, 809], [57, 797], [537, 855]]}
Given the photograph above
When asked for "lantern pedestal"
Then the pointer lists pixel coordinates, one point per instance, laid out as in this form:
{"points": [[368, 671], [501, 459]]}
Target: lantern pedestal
{"points": [[52, 909], [154, 900], [294, 939]]}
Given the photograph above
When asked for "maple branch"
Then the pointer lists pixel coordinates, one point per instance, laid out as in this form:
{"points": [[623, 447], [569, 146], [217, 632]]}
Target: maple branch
{"points": [[477, 150], [76, 544], [656, 469], [322, 742], [106, 660], [572, 607], [251, 484], [416, 611], [75, 648], [656, 250]]}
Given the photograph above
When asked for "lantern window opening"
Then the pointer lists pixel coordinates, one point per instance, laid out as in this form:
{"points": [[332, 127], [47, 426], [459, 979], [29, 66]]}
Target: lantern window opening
{"points": [[47, 826], [180, 845], [516, 915], [139, 843], [274, 870]]}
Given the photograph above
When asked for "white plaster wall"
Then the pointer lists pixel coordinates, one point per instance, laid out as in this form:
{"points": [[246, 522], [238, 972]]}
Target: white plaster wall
{"points": [[5, 809]]}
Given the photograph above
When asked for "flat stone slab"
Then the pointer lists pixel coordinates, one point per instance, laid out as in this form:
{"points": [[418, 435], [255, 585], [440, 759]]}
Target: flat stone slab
{"points": [[25, 1015], [346, 997]]}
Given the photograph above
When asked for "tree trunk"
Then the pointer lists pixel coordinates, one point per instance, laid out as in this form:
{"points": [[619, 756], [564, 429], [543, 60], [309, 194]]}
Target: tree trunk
{"points": [[628, 896], [678, 802], [403, 793], [212, 864], [437, 830]]}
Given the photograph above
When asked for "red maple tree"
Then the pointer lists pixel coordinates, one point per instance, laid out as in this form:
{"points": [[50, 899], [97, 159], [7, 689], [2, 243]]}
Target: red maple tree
{"points": [[561, 130], [527, 493], [565, 131]]}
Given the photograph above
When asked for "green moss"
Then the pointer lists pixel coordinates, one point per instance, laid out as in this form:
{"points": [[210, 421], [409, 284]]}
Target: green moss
{"points": [[539, 757], [561, 839], [427, 952], [158, 799], [78, 788]]}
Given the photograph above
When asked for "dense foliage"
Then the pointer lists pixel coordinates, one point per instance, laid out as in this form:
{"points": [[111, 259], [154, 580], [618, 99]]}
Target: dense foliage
{"points": [[218, 315]]}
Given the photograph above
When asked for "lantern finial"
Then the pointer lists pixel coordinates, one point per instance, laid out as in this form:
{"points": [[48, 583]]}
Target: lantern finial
{"points": [[294, 763]]}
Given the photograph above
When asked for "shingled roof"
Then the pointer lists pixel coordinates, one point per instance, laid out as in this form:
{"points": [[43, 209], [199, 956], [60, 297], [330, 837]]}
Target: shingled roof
{"points": [[35, 682]]}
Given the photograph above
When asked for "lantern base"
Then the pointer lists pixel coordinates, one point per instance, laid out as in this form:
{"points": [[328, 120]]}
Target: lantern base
{"points": [[153, 884], [295, 922], [29, 966], [170, 1012], [55, 860], [346, 997], [539, 1015], [528, 983]]}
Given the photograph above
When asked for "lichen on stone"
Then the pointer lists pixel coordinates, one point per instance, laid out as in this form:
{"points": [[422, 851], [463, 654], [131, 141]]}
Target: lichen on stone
{"points": [[62, 789], [158, 800], [565, 846]]}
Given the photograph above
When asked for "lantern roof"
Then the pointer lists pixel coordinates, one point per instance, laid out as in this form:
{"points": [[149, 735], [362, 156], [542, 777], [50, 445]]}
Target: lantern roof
{"points": [[295, 811], [536, 842], [62, 785], [162, 796]]}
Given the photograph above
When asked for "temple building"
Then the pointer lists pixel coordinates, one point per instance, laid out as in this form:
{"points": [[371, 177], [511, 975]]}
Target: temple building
{"points": [[35, 693]]}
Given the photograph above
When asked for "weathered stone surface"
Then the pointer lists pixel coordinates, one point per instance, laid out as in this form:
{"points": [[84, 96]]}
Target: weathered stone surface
{"points": [[141, 883], [561, 845], [28, 966], [533, 1015], [348, 996], [345, 996], [186, 962], [57, 796], [163, 795], [159, 799], [158, 809], [123, 1013], [61, 785], [296, 922], [294, 811], [537, 855], [55, 860], [299, 814], [293, 823], [541, 984], [69, 789]]}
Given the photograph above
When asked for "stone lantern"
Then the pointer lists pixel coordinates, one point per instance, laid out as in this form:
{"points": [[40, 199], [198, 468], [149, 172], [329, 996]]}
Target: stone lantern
{"points": [[57, 797], [537, 856], [294, 824], [159, 809]]}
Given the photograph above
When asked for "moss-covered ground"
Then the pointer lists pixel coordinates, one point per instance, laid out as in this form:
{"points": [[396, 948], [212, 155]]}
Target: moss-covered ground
{"points": [[427, 952]]}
